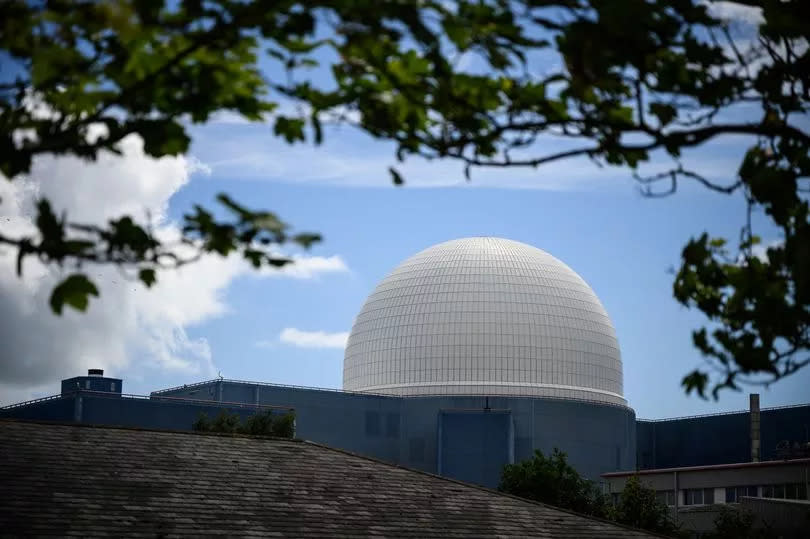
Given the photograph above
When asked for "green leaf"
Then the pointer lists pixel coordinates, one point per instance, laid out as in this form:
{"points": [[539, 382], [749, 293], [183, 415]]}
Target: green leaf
{"points": [[696, 381], [161, 136], [254, 257], [664, 112], [292, 129], [396, 178], [147, 276], [74, 292], [306, 240], [278, 262]]}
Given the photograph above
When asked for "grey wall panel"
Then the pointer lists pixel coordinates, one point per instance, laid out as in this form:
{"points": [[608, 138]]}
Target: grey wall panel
{"points": [[474, 446], [151, 413], [57, 409], [718, 439]]}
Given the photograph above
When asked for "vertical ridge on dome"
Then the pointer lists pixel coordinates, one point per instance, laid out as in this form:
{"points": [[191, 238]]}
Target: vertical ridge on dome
{"points": [[484, 316]]}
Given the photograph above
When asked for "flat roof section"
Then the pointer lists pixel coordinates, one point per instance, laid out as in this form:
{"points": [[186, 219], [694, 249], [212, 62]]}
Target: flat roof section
{"points": [[736, 465]]}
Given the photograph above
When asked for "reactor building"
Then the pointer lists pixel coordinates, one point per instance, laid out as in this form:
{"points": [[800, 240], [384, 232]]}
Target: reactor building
{"points": [[484, 316]]}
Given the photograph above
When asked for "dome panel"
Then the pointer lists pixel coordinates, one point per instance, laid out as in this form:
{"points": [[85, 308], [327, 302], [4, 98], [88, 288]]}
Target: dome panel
{"points": [[484, 316]]}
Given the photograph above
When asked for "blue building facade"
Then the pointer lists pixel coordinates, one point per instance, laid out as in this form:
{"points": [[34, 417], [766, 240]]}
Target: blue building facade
{"points": [[469, 438], [719, 438]]}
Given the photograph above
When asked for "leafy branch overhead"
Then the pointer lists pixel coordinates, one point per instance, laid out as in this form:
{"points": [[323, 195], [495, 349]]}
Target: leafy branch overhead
{"points": [[489, 84], [140, 253]]}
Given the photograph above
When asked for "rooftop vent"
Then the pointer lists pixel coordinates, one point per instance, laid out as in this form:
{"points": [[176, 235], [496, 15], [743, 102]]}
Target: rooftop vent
{"points": [[95, 372]]}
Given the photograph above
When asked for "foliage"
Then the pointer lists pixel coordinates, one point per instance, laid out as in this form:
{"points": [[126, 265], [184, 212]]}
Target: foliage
{"points": [[269, 424], [738, 523], [81, 75], [135, 248], [565, 71], [553, 481], [639, 508], [264, 423], [758, 297]]}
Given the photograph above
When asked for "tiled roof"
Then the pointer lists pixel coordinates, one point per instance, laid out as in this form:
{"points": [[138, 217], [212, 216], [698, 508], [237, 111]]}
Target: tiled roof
{"points": [[104, 481]]}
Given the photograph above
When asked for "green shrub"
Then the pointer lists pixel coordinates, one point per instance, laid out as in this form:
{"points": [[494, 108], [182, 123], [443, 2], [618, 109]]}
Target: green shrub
{"points": [[264, 423]]}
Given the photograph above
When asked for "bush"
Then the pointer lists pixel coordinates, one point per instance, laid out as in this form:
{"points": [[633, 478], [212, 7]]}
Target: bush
{"points": [[553, 481], [264, 423], [737, 523], [639, 508]]}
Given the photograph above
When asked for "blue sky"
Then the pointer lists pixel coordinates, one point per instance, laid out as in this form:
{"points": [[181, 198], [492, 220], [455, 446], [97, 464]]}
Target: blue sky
{"points": [[223, 318], [621, 243]]}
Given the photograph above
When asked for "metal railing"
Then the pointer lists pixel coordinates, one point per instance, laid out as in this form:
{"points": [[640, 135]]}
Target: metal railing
{"points": [[386, 395], [268, 384], [718, 414], [32, 401], [208, 402], [184, 386], [156, 398]]}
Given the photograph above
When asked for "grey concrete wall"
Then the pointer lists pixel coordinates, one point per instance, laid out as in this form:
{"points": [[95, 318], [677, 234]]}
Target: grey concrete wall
{"points": [[777, 473], [788, 518]]}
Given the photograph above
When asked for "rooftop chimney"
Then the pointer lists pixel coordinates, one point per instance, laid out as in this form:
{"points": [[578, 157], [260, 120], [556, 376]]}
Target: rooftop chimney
{"points": [[95, 372], [754, 407]]}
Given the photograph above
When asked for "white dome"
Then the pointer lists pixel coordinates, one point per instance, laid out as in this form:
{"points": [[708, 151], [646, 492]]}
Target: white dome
{"points": [[484, 316]]}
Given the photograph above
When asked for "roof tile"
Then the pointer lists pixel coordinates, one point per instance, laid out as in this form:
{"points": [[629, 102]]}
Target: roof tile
{"points": [[104, 481]]}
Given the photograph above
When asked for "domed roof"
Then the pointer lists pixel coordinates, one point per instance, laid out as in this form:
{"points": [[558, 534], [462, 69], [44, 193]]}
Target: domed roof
{"points": [[484, 316]]}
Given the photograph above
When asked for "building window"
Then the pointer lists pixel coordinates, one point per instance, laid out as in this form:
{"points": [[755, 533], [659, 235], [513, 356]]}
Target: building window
{"points": [[112, 386], [665, 497], [733, 494], [87, 384], [791, 491], [698, 496], [693, 496]]}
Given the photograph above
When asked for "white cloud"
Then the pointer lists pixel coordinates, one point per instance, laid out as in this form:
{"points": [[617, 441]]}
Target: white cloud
{"points": [[349, 158], [129, 326], [760, 250], [312, 339], [308, 267], [732, 11]]}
